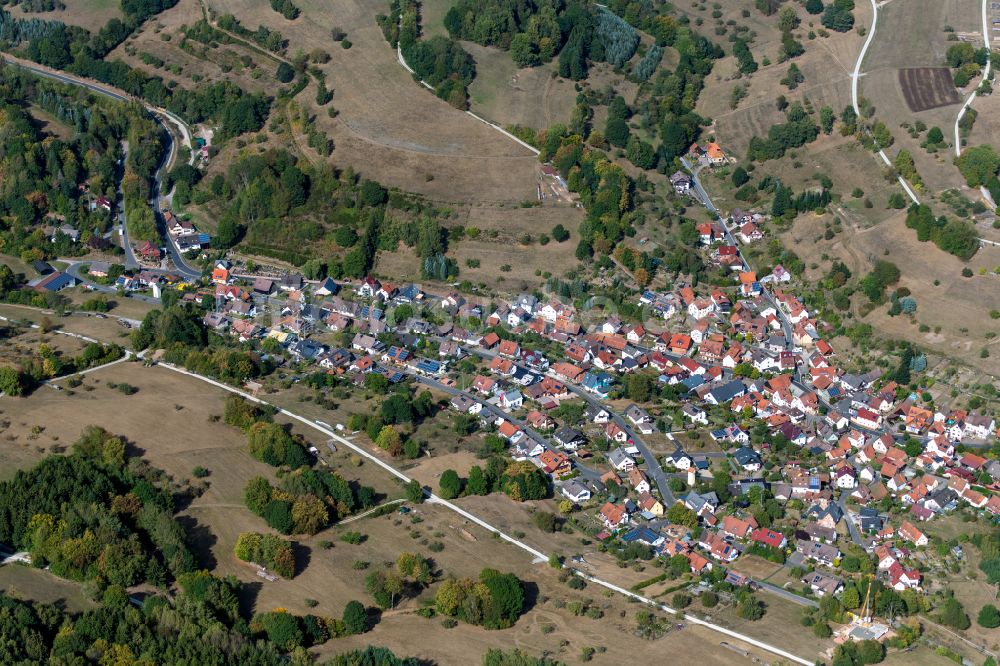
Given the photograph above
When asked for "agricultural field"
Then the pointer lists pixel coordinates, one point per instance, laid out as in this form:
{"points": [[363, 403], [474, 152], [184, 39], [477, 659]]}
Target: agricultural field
{"points": [[901, 82], [926, 88], [89, 14], [389, 127]]}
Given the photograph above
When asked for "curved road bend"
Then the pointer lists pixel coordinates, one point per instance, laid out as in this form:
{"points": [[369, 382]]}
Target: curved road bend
{"points": [[158, 114], [539, 556], [986, 76]]}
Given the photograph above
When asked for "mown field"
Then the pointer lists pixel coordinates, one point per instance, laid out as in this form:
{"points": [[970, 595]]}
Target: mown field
{"points": [[89, 14], [911, 35]]}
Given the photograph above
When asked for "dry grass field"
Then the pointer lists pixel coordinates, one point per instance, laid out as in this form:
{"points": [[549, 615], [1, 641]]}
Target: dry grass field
{"points": [[910, 35], [780, 626], [499, 245], [987, 125], [161, 38], [826, 66], [846, 163], [89, 14], [508, 95], [389, 127], [955, 310]]}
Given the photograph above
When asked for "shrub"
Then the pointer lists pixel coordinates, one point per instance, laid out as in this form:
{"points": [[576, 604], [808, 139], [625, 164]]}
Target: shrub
{"points": [[267, 550]]}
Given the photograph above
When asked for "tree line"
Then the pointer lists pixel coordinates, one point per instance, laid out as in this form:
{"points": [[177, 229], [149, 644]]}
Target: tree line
{"points": [[200, 625], [81, 52]]}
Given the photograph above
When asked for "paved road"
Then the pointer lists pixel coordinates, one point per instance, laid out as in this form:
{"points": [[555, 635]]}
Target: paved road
{"points": [[699, 190], [986, 77], [75, 268], [158, 114], [855, 533], [652, 464], [855, 75], [538, 555]]}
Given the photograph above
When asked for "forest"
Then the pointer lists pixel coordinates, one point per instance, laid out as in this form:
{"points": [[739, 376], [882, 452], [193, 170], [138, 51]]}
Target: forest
{"points": [[957, 237], [50, 177], [80, 52], [199, 625], [439, 61], [258, 195], [96, 515]]}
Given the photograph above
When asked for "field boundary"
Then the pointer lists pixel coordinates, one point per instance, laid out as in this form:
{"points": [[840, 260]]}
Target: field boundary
{"points": [[402, 61], [986, 75]]}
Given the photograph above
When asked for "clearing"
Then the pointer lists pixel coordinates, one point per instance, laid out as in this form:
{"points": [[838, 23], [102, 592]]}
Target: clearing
{"points": [[89, 14], [505, 94], [389, 127], [911, 36]]}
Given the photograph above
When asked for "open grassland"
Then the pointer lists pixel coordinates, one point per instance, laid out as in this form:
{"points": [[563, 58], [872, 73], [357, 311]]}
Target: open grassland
{"points": [[826, 66], [50, 125], [508, 95], [956, 309], [987, 125], [780, 626], [499, 245], [910, 35], [185, 435], [840, 158], [198, 64], [432, 17], [389, 127], [24, 582], [89, 14]]}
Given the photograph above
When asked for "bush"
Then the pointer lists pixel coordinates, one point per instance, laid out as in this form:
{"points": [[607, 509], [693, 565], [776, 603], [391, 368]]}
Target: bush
{"points": [[267, 550], [353, 538], [989, 617], [355, 617], [285, 73]]}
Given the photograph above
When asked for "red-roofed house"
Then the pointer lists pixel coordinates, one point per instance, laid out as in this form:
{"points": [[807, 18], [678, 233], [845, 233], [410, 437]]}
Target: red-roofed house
{"points": [[768, 537]]}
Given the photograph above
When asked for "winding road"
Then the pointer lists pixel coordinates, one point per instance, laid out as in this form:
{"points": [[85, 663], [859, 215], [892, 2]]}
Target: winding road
{"points": [[855, 75], [166, 119], [538, 556], [986, 76], [968, 102]]}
